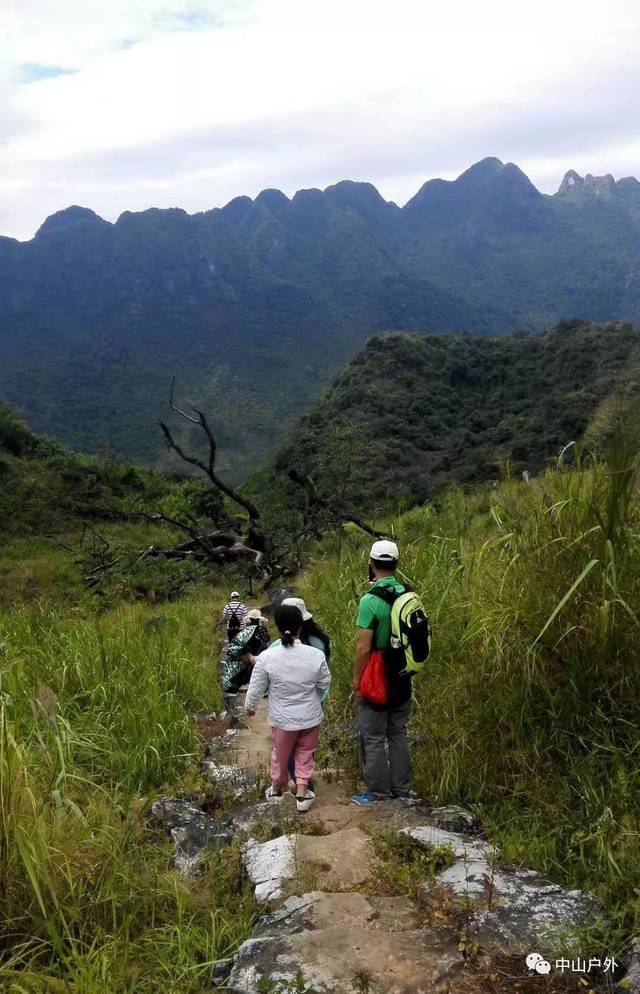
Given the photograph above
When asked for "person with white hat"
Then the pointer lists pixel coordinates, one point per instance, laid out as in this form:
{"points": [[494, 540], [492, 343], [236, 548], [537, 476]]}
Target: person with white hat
{"points": [[310, 634], [241, 654], [233, 615], [383, 726]]}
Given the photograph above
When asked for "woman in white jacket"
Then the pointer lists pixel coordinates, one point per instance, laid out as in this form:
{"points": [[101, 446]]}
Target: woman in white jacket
{"points": [[295, 677]]}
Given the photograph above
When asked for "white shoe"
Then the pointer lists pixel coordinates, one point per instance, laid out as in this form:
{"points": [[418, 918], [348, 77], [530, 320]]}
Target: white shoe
{"points": [[273, 795], [304, 803]]}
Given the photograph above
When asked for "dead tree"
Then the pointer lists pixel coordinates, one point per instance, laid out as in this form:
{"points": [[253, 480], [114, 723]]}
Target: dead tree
{"points": [[92, 554], [209, 468], [215, 547], [218, 547]]}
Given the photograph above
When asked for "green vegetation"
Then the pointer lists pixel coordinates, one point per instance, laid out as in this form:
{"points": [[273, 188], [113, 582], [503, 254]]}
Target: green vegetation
{"points": [[95, 719], [46, 488], [98, 686], [528, 710], [73, 527], [299, 985], [256, 307], [410, 415], [402, 865]]}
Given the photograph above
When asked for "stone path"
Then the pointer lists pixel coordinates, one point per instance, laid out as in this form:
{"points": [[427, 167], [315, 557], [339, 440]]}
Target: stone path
{"points": [[322, 913]]}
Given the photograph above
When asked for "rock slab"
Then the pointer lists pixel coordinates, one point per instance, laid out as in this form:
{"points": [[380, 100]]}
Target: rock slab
{"points": [[270, 865], [336, 937], [510, 908], [192, 832]]}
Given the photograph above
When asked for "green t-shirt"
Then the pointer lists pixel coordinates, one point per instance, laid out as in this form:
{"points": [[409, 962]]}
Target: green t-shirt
{"points": [[375, 613]]}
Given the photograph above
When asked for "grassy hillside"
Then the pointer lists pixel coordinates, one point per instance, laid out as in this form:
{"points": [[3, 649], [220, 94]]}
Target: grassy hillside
{"points": [[98, 687], [96, 721], [529, 706], [410, 415], [63, 514]]}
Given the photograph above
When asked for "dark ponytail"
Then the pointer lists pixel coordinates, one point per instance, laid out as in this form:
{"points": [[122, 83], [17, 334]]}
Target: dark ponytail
{"points": [[289, 622]]}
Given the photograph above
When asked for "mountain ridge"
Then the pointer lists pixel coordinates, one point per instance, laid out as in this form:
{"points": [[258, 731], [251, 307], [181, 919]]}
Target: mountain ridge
{"points": [[96, 317], [490, 168]]}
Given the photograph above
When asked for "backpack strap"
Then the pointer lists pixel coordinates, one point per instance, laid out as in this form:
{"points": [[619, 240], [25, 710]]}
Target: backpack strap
{"points": [[387, 594]]}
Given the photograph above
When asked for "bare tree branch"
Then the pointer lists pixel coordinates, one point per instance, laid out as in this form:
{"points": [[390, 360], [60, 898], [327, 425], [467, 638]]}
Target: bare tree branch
{"points": [[354, 519], [326, 504], [178, 410], [208, 470]]}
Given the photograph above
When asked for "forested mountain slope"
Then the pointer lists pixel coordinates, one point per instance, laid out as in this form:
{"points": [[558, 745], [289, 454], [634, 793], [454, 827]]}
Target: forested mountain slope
{"points": [[411, 414], [47, 490], [256, 306]]}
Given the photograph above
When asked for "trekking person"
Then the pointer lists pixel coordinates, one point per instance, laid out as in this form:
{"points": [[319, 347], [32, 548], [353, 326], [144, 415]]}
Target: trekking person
{"points": [[385, 660], [233, 615], [310, 634], [295, 675], [242, 653]]}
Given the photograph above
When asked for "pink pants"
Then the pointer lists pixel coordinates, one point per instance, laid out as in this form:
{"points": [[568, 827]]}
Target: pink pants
{"points": [[302, 744]]}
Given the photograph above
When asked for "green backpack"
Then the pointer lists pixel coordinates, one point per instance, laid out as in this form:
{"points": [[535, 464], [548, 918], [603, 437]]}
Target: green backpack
{"points": [[410, 630]]}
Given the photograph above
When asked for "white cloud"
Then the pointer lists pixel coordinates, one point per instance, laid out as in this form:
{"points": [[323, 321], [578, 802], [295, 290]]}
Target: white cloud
{"points": [[190, 104]]}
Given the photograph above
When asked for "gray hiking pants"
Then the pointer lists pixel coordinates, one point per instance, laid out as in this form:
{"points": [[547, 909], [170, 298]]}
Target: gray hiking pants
{"points": [[385, 750]]}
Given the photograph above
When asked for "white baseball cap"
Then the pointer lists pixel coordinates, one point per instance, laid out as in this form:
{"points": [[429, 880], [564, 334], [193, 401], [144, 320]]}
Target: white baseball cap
{"points": [[300, 604], [235, 596], [384, 551]]}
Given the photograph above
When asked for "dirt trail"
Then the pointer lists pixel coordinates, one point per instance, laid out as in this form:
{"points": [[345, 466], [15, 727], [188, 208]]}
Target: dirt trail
{"points": [[336, 934], [331, 914]]}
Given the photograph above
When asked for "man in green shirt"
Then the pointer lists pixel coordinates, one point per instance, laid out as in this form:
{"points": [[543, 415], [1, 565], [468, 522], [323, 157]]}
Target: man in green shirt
{"points": [[383, 727]]}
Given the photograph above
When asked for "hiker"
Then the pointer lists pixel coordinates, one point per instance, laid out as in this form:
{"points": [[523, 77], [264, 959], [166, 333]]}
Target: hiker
{"points": [[233, 615], [243, 651], [310, 634], [296, 676], [382, 676]]}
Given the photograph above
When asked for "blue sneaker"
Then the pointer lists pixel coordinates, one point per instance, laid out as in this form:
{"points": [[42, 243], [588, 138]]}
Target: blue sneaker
{"points": [[364, 799]]}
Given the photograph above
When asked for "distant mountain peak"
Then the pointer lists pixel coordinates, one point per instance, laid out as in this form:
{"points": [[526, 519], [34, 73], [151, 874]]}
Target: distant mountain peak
{"points": [[628, 182], [274, 200], [349, 189], [513, 178], [67, 218], [571, 181], [480, 172], [573, 184], [488, 178], [237, 209]]}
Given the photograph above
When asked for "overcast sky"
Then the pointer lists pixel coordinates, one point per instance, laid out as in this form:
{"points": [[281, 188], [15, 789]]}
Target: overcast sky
{"points": [[127, 104]]}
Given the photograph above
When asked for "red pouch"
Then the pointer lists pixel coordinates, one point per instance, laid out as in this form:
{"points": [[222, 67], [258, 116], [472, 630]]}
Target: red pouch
{"points": [[373, 685]]}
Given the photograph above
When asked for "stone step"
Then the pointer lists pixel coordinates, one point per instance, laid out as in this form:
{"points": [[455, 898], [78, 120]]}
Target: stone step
{"points": [[336, 862], [339, 938]]}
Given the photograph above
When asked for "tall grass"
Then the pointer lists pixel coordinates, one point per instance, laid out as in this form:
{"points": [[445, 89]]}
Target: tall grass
{"points": [[530, 706], [95, 716]]}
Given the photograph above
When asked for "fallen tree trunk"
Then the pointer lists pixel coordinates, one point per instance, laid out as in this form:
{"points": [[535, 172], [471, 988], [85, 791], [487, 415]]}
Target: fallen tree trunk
{"points": [[220, 554]]}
